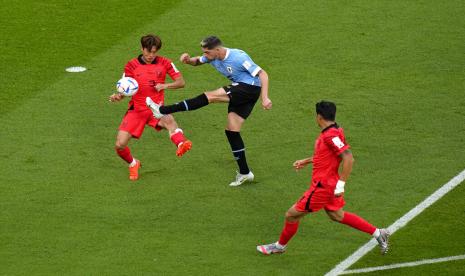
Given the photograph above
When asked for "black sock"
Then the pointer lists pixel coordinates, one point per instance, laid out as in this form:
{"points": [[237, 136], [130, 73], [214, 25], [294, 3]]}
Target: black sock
{"points": [[238, 150], [187, 105]]}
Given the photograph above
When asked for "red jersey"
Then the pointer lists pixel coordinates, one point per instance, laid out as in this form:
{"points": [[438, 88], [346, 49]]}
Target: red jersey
{"points": [[147, 76], [326, 157]]}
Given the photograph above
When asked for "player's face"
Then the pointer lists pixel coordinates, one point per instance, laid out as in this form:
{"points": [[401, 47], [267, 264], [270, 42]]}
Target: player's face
{"points": [[149, 55], [319, 120], [211, 53]]}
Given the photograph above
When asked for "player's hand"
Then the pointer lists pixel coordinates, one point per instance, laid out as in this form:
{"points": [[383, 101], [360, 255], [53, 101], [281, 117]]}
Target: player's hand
{"points": [[160, 86], [116, 97], [185, 58], [266, 103], [299, 164]]}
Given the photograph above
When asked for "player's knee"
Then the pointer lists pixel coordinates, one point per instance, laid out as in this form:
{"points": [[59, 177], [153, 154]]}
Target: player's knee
{"points": [[232, 127], [119, 145], [168, 119], [211, 97], [217, 96], [169, 122], [290, 217], [335, 217]]}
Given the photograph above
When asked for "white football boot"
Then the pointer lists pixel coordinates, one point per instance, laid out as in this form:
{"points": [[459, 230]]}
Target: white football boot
{"points": [[241, 178], [272, 248], [154, 107], [383, 240]]}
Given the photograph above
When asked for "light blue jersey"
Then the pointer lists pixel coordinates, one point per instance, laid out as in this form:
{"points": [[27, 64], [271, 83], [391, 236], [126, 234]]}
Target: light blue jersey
{"points": [[237, 66]]}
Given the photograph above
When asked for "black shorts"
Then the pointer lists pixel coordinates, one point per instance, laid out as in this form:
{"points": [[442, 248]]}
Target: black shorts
{"points": [[242, 98]]}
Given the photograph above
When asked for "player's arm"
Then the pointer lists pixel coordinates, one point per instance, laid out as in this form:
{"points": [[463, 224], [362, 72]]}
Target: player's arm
{"points": [[175, 75], [187, 59], [176, 84], [266, 102], [255, 70], [347, 164], [299, 164]]}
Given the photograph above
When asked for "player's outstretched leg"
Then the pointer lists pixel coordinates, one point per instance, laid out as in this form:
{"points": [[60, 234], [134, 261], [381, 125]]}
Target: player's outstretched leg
{"points": [[123, 151], [215, 96], [291, 225], [186, 105], [356, 222]]}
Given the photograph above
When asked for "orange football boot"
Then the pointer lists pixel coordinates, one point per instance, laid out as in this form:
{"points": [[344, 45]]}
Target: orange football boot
{"points": [[183, 148], [134, 171]]}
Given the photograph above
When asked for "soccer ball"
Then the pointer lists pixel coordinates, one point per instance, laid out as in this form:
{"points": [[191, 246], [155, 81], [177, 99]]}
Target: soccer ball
{"points": [[127, 86]]}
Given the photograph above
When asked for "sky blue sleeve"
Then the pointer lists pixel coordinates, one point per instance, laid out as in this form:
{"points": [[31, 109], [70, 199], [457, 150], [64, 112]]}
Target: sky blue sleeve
{"points": [[249, 65], [203, 59]]}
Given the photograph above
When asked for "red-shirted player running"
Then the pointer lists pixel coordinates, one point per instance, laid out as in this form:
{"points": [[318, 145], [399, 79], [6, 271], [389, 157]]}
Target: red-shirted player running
{"points": [[150, 70], [327, 187]]}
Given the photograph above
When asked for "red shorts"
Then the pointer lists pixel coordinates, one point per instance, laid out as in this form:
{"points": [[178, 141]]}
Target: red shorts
{"points": [[318, 197], [134, 122]]}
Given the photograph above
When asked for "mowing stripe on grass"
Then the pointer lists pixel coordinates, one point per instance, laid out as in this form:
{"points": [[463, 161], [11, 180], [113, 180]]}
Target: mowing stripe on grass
{"points": [[454, 182], [409, 264]]}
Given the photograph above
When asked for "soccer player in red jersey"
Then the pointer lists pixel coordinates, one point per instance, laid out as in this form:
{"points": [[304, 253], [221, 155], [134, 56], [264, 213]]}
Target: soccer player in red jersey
{"points": [[149, 70], [327, 186]]}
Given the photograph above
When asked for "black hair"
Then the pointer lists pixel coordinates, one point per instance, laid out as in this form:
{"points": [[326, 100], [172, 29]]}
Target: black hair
{"points": [[149, 41], [211, 42], [327, 110]]}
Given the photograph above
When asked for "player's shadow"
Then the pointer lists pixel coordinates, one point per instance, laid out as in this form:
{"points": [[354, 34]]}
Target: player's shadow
{"points": [[157, 172]]}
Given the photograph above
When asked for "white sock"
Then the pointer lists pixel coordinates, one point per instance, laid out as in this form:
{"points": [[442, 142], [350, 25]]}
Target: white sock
{"points": [[376, 233], [280, 246], [133, 163], [176, 131]]}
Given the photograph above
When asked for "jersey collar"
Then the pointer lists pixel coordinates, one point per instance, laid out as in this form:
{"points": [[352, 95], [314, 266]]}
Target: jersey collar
{"points": [[331, 126], [227, 53], [141, 60]]}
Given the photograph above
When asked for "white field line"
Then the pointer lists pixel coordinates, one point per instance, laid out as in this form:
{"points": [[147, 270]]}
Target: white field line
{"points": [[409, 264], [345, 264]]}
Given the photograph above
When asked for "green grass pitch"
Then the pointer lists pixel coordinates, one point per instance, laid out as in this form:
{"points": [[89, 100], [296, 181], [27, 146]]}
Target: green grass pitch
{"points": [[395, 68]]}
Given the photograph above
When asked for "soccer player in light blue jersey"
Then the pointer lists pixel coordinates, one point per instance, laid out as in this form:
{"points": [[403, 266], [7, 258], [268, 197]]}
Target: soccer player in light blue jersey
{"points": [[248, 82]]}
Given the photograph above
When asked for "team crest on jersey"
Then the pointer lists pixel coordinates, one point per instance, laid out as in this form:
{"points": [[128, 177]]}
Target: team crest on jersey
{"points": [[229, 68]]}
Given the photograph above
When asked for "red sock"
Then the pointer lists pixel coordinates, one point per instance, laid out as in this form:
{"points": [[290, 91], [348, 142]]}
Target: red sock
{"points": [[290, 228], [125, 154], [178, 137], [358, 223]]}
